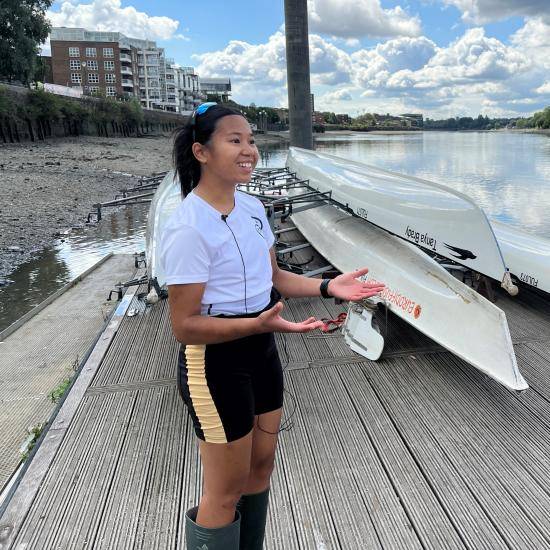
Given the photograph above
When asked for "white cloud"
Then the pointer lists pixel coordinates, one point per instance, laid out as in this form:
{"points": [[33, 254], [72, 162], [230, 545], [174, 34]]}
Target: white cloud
{"points": [[257, 71], [336, 96], [483, 11], [108, 15], [534, 40], [261, 68], [473, 74], [328, 63], [544, 88], [358, 18]]}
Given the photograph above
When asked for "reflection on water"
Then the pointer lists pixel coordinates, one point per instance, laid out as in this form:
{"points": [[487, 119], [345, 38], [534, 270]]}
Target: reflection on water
{"points": [[507, 174], [122, 231]]}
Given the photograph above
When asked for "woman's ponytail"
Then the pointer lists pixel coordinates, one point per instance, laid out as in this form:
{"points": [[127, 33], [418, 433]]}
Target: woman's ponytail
{"points": [[187, 167]]}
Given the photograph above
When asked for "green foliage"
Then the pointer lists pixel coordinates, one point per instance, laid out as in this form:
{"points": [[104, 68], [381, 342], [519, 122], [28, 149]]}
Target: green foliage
{"points": [[330, 118], [35, 432], [44, 106], [56, 394], [131, 112], [468, 123], [74, 110], [541, 119], [6, 104], [23, 27], [367, 119]]}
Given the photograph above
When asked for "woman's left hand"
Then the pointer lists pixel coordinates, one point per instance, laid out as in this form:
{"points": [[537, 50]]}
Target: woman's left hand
{"points": [[347, 287]]}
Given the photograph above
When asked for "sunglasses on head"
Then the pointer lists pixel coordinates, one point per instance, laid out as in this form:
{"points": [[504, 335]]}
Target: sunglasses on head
{"points": [[200, 110]]}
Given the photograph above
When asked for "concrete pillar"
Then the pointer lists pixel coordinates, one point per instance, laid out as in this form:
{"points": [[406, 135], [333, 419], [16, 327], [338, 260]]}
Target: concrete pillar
{"points": [[297, 67]]}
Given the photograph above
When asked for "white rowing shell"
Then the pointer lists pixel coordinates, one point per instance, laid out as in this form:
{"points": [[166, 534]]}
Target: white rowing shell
{"points": [[429, 215], [165, 201], [527, 256], [418, 290]]}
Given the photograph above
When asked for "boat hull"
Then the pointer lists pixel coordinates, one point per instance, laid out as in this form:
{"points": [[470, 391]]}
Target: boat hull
{"points": [[418, 290], [165, 201], [429, 215], [527, 256]]}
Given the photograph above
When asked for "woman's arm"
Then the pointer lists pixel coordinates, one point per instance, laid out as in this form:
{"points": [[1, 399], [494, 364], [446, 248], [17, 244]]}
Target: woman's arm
{"points": [[346, 286], [190, 327]]}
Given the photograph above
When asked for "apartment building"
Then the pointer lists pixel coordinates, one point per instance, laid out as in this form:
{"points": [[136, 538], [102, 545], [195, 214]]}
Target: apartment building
{"points": [[188, 89], [216, 89], [116, 65]]}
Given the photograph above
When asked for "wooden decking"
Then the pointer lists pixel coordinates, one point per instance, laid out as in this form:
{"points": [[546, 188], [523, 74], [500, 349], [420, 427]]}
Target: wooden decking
{"points": [[416, 451], [43, 349]]}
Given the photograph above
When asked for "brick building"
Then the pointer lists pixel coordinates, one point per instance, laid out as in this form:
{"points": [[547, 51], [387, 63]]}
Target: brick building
{"points": [[93, 65]]}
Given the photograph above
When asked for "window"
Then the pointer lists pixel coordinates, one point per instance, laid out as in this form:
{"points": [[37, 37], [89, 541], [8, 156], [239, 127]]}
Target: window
{"points": [[110, 78], [111, 91], [76, 78], [93, 78], [91, 52], [94, 90], [108, 52], [74, 52], [92, 65], [74, 64], [109, 65]]}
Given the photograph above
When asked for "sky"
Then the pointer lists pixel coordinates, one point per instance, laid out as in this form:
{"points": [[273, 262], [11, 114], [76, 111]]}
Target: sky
{"points": [[441, 58]]}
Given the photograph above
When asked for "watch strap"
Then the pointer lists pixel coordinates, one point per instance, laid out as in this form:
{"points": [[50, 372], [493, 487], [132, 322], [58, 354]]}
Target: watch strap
{"points": [[324, 288]]}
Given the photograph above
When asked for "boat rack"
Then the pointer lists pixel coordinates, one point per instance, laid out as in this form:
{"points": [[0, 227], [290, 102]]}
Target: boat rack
{"points": [[133, 195], [270, 186]]}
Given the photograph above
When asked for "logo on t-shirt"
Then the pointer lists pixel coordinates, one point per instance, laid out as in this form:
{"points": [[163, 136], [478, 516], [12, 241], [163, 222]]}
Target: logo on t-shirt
{"points": [[258, 225]]}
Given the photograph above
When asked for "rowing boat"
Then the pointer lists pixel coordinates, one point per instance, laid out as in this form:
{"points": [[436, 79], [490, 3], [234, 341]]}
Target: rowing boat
{"points": [[440, 220], [526, 255], [165, 201], [418, 290]]}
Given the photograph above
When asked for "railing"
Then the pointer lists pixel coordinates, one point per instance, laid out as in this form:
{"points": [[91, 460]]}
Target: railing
{"points": [[127, 82], [125, 57], [126, 70]]}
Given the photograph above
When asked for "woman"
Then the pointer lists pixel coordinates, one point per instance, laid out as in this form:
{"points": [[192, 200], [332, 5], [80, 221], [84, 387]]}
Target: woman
{"points": [[223, 283]]}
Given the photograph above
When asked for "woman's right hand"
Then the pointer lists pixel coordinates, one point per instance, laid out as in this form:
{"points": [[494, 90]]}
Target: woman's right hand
{"points": [[271, 321]]}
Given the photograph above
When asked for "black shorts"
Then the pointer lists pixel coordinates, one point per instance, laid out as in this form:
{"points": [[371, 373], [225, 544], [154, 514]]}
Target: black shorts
{"points": [[224, 385]]}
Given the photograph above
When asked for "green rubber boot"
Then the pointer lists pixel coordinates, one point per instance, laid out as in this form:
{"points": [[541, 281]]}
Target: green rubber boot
{"points": [[203, 538], [253, 509]]}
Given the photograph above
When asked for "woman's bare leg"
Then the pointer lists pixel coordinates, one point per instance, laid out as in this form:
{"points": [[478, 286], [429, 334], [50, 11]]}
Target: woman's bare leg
{"points": [[226, 468], [264, 444]]}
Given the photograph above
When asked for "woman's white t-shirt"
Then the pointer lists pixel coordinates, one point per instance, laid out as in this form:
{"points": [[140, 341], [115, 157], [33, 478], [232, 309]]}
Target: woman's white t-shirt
{"points": [[199, 246]]}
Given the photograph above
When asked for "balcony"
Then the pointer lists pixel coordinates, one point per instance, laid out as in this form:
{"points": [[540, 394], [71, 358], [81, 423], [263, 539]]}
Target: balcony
{"points": [[126, 70], [125, 57], [127, 83]]}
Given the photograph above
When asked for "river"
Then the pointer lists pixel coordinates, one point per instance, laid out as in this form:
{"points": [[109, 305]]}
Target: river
{"points": [[506, 173]]}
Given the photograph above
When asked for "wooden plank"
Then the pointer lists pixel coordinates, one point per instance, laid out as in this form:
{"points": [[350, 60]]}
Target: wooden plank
{"points": [[428, 519], [366, 510], [21, 501], [493, 476]]}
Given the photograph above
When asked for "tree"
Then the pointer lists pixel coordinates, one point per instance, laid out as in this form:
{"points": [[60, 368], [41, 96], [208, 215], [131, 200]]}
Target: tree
{"points": [[23, 27]]}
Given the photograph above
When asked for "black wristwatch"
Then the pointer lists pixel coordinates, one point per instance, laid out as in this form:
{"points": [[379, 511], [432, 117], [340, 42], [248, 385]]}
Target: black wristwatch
{"points": [[324, 288]]}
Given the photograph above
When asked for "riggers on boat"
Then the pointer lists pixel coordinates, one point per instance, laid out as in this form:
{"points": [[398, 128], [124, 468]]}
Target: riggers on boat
{"points": [[431, 216]]}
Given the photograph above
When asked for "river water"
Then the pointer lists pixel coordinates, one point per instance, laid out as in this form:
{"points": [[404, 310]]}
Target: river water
{"points": [[506, 173]]}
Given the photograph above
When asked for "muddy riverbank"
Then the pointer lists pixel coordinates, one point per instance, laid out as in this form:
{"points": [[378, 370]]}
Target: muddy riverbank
{"points": [[48, 188]]}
